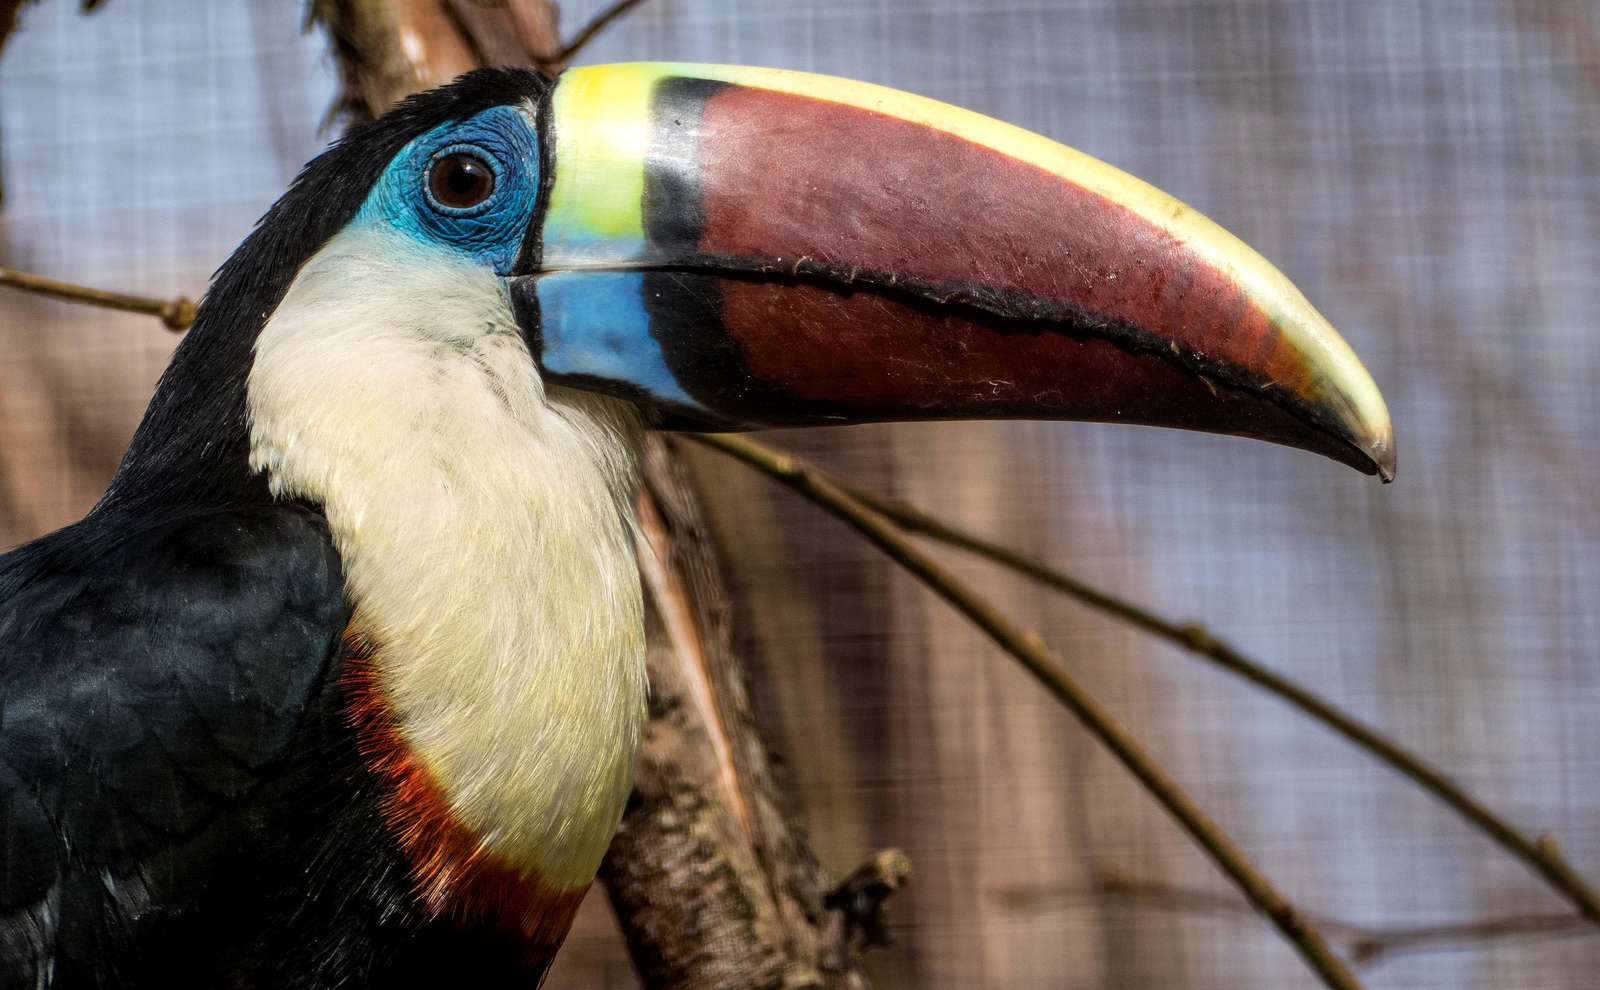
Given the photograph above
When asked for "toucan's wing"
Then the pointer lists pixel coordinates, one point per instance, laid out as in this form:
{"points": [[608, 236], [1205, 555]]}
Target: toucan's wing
{"points": [[150, 686]]}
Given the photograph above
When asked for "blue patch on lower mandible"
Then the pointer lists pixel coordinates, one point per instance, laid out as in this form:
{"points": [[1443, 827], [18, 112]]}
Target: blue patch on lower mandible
{"points": [[593, 325]]}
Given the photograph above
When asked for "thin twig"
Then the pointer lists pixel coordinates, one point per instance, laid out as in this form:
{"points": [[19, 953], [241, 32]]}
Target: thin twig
{"points": [[1542, 855], [1380, 943], [1366, 944], [590, 31], [178, 314], [1048, 669]]}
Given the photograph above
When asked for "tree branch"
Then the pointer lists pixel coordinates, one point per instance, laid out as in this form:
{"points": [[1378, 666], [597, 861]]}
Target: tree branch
{"points": [[1541, 855], [592, 30], [1049, 671], [177, 314], [1365, 944], [710, 877]]}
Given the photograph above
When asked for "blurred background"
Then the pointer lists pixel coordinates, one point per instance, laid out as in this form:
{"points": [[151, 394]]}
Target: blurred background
{"points": [[1427, 172]]}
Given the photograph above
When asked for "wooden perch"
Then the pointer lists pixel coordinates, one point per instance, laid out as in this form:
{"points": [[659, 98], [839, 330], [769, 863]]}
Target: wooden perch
{"points": [[711, 879]]}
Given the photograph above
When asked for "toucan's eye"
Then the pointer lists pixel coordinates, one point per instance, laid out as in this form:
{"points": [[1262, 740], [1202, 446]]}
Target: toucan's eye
{"points": [[460, 180]]}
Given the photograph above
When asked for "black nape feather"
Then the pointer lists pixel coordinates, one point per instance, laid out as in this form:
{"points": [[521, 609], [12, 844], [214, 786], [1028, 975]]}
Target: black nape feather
{"points": [[192, 446]]}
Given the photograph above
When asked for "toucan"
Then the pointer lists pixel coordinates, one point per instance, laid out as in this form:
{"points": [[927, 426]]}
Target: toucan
{"points": [[340, 683]]}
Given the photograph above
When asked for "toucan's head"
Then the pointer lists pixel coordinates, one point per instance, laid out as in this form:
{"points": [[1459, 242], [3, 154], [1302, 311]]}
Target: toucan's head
{"points": [[738, 248]]}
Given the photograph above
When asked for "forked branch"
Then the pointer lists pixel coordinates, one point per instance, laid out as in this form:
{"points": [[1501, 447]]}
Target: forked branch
{"points": [[1542, 854]]}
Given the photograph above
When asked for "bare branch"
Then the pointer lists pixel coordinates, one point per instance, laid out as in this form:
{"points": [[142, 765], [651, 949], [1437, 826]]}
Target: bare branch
{"points": [[1052, 673], [1364, 944], [1541, 855], [178, 314], [1377, 944], [590, 31]]}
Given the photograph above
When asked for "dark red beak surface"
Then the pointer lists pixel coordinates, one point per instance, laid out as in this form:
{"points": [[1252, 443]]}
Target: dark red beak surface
{"points": [[745, 247]]}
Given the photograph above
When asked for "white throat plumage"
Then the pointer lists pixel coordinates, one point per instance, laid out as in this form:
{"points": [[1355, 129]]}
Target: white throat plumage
{"points": [[485, 524]]}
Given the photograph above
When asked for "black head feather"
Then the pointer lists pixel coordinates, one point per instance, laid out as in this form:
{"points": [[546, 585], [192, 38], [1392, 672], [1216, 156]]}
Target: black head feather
{"points": [[192, 447]]}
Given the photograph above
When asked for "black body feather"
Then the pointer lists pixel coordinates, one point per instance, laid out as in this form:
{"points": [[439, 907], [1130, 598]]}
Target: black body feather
{"points": [[182, 801]]}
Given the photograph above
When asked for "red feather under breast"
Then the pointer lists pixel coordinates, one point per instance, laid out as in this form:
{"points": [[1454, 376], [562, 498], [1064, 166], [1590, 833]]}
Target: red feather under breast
{"points": [[455, 876]]}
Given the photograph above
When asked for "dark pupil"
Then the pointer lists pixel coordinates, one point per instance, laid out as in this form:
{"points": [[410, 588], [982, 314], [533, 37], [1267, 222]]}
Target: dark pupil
{"points": [[461, 180]]}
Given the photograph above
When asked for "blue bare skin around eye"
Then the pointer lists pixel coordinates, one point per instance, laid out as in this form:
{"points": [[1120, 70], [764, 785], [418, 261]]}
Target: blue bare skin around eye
{"points": [[494, 236]]}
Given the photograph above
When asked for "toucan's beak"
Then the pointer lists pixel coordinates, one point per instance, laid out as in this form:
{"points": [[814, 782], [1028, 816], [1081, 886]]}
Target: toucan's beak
{"points": [[750, 247]]}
